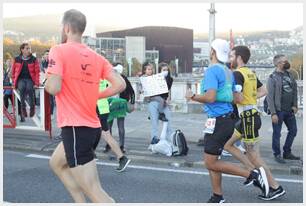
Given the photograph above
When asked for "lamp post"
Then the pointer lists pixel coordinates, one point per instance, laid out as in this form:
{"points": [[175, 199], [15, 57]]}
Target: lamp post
{"points": [[176, 65], [212, 13], [156, 65], [129, 60]]}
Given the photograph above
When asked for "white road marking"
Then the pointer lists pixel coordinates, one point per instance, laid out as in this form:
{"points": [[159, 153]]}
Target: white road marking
{"points": [[38, 156], [166, 169]]}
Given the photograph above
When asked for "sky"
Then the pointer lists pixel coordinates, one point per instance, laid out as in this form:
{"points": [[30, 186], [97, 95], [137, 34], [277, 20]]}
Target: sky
{"points": [[240, 17]]}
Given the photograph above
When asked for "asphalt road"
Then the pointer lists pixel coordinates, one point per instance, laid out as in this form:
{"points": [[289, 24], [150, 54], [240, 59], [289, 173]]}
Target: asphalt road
{"points": [[28, 179]]}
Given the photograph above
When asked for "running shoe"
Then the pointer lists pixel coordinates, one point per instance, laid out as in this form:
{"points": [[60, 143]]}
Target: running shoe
{"points": [[273, 194], [123, 163]]}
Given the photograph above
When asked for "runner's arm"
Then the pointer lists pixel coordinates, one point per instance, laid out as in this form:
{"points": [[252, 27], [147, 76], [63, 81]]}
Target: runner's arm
{"points": [[261, 92], [208, 97], [238, 96], [53, 83], [54, 73], [261, 89]]}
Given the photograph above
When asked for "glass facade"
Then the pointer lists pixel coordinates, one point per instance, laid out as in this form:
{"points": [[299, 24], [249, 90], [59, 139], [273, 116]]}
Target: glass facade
{"points": [[112, 48], [151, 55]]}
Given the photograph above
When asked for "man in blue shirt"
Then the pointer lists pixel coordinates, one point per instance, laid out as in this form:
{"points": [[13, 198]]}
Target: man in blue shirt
{"points": [[217, 95]]}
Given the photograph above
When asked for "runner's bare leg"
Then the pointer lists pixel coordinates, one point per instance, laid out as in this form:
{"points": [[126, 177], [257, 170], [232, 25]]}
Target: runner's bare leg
{"points": [[253, 154], [230, 147], [112, 143], [87, 176], [59, 165]]}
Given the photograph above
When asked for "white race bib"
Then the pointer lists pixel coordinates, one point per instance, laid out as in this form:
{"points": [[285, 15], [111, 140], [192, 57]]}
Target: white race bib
{"points": [[210, 126]]}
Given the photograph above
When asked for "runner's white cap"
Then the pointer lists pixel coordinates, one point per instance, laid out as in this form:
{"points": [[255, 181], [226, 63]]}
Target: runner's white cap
{"points": [[222, 49], [118, 68]]}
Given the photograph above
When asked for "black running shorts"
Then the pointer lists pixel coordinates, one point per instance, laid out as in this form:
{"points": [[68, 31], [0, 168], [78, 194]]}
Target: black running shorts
{"points": [[248, 127], [224, 128], [78, 144]]}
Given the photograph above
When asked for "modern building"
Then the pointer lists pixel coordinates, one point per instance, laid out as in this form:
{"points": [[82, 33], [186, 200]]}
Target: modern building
{"points": [[113, 49], [152, 55], [135, 48], [89, 41], [200, 53], [170, 42]]}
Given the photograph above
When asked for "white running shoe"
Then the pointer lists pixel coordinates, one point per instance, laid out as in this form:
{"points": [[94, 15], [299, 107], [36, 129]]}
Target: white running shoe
{"points": [[241, 148], [226, 153]]}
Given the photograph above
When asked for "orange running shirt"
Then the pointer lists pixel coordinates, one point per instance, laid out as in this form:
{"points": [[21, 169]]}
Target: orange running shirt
{"points": [[81, 70]]}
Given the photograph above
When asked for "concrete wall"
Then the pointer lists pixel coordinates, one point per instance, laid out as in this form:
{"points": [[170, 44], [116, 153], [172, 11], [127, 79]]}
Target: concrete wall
{"points": [[178, 91]]}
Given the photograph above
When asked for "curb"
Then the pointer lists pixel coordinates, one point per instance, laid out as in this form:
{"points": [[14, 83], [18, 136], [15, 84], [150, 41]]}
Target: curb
{"points": [[177, 163]]}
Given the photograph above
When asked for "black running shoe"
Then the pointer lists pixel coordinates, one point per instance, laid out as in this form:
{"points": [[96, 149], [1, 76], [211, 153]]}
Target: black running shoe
{"points": [[106, 148], [123, 163], [259, 179], [216, 199], [273, 194], [253, 175]]}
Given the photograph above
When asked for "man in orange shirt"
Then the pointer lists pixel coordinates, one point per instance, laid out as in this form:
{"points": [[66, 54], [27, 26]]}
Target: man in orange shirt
{"points": [[73, 77]]}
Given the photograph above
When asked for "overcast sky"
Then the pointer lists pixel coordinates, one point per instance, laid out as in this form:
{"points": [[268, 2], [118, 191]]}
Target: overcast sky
{"points": [[236, 16]]}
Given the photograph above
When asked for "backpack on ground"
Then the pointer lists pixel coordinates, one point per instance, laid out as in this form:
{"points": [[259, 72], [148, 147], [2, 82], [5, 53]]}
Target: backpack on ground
{"points": [[179, 143]]}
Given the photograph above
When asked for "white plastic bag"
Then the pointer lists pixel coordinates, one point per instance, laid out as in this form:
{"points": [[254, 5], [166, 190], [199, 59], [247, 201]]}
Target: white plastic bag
{"points": [[162, 147]]}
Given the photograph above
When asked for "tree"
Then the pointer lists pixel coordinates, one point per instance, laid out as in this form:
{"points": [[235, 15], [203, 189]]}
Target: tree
{"points": [[13, 49], [136, 66], [7, 41], [126, 66], [7, 56], [296, 62]]}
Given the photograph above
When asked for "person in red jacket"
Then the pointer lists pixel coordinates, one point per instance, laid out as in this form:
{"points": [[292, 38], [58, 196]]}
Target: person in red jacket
{"points": [[25, 76]]}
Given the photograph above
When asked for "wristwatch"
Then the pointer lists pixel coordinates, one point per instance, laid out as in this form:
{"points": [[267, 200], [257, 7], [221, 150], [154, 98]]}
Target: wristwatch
{"points": [[192, 96]]}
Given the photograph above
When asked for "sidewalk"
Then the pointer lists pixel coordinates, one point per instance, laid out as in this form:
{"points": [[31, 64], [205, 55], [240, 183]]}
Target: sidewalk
{"points": [[138, 137]]}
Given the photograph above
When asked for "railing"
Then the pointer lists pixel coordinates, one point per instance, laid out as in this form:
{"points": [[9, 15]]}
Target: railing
{"points": [[180, 85], [40, 122]]}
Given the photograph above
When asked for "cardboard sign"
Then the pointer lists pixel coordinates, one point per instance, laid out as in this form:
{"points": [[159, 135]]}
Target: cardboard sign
{"points": [[154, 85]]}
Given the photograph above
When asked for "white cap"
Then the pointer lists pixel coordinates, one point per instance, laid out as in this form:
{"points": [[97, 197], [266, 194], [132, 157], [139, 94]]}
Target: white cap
{"points": [[119, 68], [222, 49]]}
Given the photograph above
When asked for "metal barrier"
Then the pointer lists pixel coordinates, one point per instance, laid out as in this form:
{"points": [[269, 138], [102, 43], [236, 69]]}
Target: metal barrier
{"points": [[42, 122]]}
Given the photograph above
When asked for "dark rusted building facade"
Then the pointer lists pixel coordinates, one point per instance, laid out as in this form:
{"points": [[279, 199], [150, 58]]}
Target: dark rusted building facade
{"points": [[171, 42]]}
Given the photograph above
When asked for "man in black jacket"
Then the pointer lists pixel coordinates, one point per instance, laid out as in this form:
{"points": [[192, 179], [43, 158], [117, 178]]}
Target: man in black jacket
{"points": [[282, 103]]}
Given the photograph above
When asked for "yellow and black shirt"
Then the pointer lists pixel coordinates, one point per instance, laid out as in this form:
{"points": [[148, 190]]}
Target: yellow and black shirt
{"points": [[250, 83]]}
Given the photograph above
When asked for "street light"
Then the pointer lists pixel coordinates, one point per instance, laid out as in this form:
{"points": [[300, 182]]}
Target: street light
{"points": [[211, 36], [176, 65], [156, 65], [129, 60]]}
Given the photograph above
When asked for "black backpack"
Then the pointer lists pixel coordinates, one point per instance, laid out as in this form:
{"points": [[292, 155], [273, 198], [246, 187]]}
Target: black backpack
{"points": [[179, 143]]}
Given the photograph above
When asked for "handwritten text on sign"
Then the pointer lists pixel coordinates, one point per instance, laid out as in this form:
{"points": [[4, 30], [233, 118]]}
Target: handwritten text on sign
{"points": [[154, 85]]}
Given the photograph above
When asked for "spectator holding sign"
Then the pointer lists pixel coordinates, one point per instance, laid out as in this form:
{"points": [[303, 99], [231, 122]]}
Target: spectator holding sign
{"points": [[158, 106]]}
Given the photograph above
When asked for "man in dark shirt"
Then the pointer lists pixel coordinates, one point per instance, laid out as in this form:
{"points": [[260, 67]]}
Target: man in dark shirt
{"points": [[282, 103], [25, 76]]}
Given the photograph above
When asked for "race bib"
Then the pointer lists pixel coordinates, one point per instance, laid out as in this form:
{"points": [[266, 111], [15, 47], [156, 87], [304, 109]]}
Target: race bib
{"points": [[210, 126]]}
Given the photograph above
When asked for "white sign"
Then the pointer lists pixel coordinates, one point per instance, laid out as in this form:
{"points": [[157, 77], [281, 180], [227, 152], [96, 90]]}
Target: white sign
{"points": [[154, 85]]}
